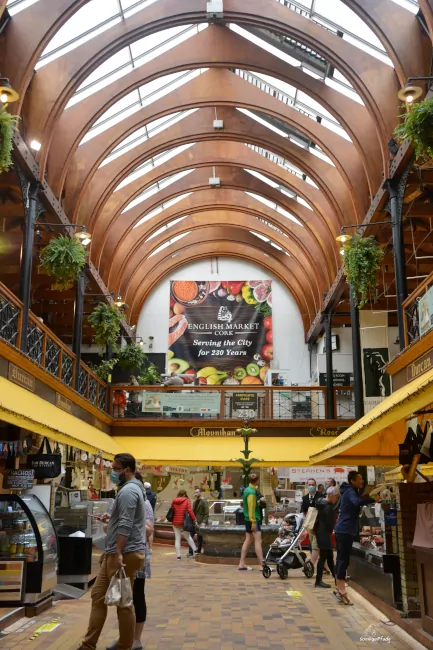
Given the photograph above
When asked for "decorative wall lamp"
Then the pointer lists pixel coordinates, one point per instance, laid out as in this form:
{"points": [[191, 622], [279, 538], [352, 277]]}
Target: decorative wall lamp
{"points": [[7, 93], [344, 237], [411, 91], [84, 237]]}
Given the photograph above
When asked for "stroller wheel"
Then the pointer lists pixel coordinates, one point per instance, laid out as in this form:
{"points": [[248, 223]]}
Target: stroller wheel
{"points": [[267, 572], [282, 571], [308, 569]]}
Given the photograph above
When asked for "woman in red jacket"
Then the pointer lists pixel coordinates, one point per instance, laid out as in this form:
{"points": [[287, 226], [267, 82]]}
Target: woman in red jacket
{"points": [[181, 504]]}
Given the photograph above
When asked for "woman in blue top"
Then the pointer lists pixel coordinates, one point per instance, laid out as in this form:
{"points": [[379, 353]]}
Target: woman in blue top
{"points": [[346, 528]]}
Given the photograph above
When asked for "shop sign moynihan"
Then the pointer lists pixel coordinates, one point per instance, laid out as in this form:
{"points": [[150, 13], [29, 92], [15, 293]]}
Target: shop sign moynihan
{"points": [[208, 432], [22, 378]]}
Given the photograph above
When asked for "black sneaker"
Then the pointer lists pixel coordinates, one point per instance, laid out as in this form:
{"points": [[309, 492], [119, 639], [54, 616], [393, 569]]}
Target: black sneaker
{"points": [[322, 585]]}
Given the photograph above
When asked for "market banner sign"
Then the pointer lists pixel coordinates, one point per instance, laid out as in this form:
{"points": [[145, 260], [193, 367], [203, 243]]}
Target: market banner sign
{"points": [[320, 474], [181, 402], [221, 332]]}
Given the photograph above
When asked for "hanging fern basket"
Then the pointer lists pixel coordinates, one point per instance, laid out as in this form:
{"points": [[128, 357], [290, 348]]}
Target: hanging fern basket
{"points": [[362, 261], [106, 321], [8, 124], [63, 258], [417, 127]]}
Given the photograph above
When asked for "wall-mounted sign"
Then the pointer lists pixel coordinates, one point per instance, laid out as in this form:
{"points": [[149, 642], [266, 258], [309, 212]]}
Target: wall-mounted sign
{"points": [[63, 403], [22, 378], [425, 312], [208, 432], [244, 401], [340, 379], [320, 474], [19, 479], [420, 366], [322, 432], [180, 402], [98, 424]]}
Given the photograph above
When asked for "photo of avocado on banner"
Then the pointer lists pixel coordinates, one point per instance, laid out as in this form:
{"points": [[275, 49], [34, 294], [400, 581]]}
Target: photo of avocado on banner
{"points": [[220, 332]]}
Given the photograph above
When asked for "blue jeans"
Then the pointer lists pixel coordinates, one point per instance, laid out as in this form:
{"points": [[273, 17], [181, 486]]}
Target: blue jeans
{"points": [[344, 544]]}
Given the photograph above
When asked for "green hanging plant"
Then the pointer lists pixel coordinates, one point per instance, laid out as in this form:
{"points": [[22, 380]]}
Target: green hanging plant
{"points": [[362, 260], [106, 321], [64, 258], [103, 369], [131, 357], [417, 126], [150, 376], [8, 124]]}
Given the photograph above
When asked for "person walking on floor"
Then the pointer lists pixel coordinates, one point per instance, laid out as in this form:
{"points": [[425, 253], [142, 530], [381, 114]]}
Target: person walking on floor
{"points": [[201, 510], [346, 528], [323, 530], [151, 497], [309, 501], [252, 516], [138, 590], [124, 548], [182, 506]]}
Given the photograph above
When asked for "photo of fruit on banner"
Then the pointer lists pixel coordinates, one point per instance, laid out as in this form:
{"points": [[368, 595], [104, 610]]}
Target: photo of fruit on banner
{"points": [[220, 332]]}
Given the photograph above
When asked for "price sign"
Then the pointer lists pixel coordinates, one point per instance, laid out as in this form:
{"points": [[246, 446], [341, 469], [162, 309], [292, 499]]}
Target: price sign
{"points": [[19, 479]]}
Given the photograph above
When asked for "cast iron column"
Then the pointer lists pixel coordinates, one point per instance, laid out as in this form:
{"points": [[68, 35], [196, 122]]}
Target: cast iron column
{"points": [[25, 285], [329, 368], [357, 362], [78, 325], [399, 259]]}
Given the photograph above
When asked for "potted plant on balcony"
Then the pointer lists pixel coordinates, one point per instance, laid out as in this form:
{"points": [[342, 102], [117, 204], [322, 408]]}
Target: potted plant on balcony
{"points": [[131, 357], [417, 127], [106, 321], [103, 369], [362, 260], [63, 258], [150, 376], [8, 124]]}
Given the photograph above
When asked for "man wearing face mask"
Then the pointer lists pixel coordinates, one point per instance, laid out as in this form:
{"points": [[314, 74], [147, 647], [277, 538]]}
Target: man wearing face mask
{"points": [[309, 501], [124, 548]]}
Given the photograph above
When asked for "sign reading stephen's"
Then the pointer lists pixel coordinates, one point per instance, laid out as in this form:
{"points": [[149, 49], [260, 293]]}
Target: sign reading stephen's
{"points": [[22, 378]]}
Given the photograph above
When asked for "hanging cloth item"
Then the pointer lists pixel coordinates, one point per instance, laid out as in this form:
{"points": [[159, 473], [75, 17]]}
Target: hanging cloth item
{"points": [[424, 525], [427, 445]]}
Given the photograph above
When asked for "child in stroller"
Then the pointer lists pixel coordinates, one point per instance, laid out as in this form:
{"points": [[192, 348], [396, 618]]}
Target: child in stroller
{"points": [[286, 551]]}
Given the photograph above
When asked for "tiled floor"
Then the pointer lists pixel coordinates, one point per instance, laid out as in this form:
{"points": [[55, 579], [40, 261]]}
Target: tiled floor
{"points": [[212, 607]]}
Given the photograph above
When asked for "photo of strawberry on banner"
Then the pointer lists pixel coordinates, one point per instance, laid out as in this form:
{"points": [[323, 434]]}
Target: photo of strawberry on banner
{"points": [[220, 332]]}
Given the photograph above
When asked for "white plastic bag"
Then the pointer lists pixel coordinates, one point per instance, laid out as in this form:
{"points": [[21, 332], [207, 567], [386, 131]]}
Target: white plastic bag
{"points": [[119, 590]]}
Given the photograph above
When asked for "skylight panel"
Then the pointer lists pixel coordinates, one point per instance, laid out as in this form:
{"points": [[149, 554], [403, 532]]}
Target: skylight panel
{"points": [[152, 164], [169, 243], [157, 187], [161, 208], [15, 6], [263, 178], [410, 5], [275, 207], [166, 227], [262, 122]]}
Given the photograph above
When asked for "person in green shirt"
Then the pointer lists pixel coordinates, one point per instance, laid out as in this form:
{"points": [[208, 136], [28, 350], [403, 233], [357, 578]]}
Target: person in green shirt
{"points": [[252, 516]]}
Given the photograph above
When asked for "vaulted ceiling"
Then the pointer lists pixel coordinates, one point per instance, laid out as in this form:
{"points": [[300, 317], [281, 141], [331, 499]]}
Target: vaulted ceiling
{"points": [[122, 96]]}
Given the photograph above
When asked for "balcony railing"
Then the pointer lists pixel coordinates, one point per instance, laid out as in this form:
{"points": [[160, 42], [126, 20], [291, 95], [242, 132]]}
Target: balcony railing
{"points": [[417, 321], [229, 403], [48, 351]]}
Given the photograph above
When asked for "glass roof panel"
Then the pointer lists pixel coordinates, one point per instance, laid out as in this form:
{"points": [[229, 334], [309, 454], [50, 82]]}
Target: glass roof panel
{"points": [[152, 164], [157, 187], [166, 227], [15, 6], [275, 207], [269, 241], [410, 5], [169, 243]]}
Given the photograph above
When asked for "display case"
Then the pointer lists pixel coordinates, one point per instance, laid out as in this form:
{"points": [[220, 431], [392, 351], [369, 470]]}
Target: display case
{"points": [[375, 563], [81, 540], [28, 550]]}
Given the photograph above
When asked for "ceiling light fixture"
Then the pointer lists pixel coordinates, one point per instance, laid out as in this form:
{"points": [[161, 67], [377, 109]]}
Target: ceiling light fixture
{"points": [[35, 145], [7, 93], [411, 91]]}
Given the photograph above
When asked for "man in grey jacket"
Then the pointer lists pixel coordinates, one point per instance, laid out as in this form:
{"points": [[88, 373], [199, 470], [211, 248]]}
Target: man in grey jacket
{"points": [[124, 547]]}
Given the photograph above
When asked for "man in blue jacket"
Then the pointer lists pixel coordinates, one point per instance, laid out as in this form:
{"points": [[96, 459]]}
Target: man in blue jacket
{"points": [[346, 528]]}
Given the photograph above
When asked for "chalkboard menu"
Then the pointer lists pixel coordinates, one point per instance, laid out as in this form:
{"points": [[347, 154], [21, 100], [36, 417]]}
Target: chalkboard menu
{"points": [[19, 479]]}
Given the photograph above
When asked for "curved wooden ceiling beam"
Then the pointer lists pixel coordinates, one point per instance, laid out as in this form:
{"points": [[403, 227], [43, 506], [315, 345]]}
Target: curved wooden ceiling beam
{"points": [[232, 241], [105, 244], [214, 47], [55, 83], [27, 36], [400, 33], [220, 88], [225, 223], [223, 154], [229, 201], [427, 10], [198, 127]]}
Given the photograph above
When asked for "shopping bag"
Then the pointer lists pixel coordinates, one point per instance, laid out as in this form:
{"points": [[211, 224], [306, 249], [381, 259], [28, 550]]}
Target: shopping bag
{"points": [[170, 514], [188, 523], [424, 526], [310, 519], [119, 590], [46, 465], [409, 448]]}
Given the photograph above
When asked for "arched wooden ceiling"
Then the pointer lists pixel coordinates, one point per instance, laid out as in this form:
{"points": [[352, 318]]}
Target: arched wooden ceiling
{"points": [[90, 193]]}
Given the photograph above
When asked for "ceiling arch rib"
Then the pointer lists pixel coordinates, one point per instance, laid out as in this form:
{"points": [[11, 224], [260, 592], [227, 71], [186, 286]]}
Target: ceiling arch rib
{"points": [[223, 154], [219, 88], [229, 200], [214, 47], [106, 244], [198, 127], [55, 83], [427, 10], [234, 240]]}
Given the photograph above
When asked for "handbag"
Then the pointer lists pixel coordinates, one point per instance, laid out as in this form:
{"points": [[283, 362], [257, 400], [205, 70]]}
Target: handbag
{"points": [[46, 465], [409, 448], [188, 523], [119, 590], [310, 519], [170, 514]]}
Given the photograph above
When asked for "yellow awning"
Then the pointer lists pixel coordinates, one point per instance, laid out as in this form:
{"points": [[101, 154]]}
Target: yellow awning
{"points": [[24, 409], [219, 451], [387, 420]]}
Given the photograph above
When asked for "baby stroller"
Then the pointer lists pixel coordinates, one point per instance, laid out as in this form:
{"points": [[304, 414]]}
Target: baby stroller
{"points": [[286, 551]]}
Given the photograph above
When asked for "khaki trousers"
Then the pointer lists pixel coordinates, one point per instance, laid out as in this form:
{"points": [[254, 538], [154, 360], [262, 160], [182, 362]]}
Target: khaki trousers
{"points": [[133, 562]]}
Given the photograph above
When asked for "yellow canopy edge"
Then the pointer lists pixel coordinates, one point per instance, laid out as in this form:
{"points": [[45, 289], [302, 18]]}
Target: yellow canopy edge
{"points": [[219, 451], [387, 419], [24, 409]]}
